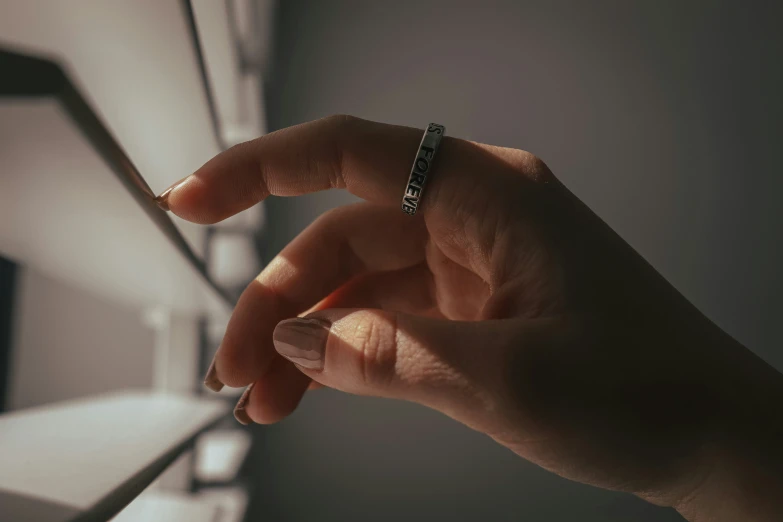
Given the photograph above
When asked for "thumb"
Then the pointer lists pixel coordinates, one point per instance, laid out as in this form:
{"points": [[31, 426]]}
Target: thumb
{"points": [[440, 363]]}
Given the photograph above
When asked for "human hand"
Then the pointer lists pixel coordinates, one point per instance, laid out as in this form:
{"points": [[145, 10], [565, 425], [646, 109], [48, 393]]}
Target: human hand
{"points": [[505, 303]]}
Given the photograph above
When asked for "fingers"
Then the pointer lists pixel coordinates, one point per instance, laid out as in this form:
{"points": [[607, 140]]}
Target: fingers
{"points": [[336, 248], [277, 393], [319, 155], [371, 160], [435, 362], [275, 396]]}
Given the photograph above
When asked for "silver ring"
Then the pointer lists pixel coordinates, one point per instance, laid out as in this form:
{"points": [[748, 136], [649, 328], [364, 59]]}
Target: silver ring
{"points": [[422, 166]]}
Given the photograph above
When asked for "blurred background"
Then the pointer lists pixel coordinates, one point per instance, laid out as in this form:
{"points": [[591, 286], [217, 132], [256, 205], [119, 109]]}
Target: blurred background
{"points": [[664, 117]]}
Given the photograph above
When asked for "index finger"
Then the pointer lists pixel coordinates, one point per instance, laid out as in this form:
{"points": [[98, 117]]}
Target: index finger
{"points": [[371, 160]]}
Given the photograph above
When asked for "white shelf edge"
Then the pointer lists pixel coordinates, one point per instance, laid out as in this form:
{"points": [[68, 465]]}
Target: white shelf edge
{"points": [[87, 459]]}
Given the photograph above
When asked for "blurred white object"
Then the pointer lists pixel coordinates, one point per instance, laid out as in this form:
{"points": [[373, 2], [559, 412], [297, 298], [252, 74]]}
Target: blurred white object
{"points": [[231, 502], [216, 329], [251, 122], [252, 21], [233, 259], [220, 454]]}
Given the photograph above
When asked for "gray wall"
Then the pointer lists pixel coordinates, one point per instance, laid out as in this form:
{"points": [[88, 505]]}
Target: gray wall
{"points": [[665, 117]]}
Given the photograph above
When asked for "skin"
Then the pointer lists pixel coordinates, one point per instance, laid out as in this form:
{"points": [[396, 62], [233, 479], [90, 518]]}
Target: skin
{"points": [[506, 304]]}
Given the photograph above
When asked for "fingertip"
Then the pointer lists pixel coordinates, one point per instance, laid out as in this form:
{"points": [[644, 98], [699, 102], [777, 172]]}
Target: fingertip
{"points": [[240, 410], [163, 200], [211, 379], [277, 394], [236, 374], [216, 190], [190, 199], [245, 354]]}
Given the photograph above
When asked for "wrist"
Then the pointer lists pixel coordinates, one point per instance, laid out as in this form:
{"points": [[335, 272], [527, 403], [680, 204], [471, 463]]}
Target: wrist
{"points": [[740, 473]]}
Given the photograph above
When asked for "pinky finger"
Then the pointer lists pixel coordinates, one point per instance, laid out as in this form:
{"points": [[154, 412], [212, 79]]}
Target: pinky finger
{"points": [[275, 396]]}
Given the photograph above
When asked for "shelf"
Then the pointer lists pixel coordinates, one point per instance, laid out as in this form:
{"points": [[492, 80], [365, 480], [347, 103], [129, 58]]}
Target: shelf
{"points": [[139, 68], [212, 505], [86, 459], [163, 506], [76, 207]]}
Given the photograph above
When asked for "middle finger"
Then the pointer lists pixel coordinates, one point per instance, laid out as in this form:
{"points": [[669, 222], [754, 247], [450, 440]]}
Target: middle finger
{"points": [[337, 247]]}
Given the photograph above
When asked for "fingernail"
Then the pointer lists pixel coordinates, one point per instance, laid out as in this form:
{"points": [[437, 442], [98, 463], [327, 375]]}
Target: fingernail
{"points": [[163, 199], [211, 380], [240, 412], [302, 341]]}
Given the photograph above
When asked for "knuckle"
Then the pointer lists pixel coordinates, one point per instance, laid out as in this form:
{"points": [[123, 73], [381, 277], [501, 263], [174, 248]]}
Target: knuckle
{"points": [[327, 218], [339, 129], [537, 170], [340, 120], [344, 215], [330, 231], [526, 163], [330, 227], [377, 347]]}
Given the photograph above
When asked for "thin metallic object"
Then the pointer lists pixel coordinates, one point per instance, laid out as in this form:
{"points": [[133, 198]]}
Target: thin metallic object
{"points": [[422, 167], [34, 77]]}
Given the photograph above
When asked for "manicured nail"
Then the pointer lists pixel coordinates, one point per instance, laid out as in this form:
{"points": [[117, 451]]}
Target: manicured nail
{"points": [[211, 380], [240, 413], [163, 199], [302, 341]]}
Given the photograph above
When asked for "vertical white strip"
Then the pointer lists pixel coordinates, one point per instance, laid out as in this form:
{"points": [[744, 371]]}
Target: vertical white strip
{"points": [[175, 365], [158, 319]]}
